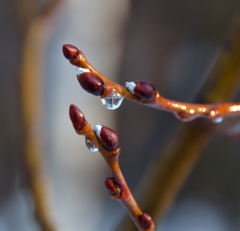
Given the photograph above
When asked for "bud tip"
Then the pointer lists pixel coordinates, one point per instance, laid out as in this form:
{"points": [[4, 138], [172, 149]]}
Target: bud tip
{"points": [[69, 51]]}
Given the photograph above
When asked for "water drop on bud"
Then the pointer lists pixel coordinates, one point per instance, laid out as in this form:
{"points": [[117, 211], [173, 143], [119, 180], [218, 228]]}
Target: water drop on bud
{"points": [[91, 83], [69, 51], [146, 221], [77, 117], [107, 137], [110, 186], [144, 90], [112, 101]]}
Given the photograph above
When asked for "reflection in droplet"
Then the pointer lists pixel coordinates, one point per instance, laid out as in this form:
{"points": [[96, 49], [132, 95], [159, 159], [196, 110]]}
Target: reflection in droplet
{"points": [[112, 101], [91, 146]]}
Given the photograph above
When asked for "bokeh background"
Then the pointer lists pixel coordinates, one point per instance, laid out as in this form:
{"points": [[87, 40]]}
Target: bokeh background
{"points": [[172, 44]]}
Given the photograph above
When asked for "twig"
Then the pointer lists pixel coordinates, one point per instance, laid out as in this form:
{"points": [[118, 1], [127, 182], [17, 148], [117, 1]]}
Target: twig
{"points": [[145, 93], [106, 141], [172, 168]]}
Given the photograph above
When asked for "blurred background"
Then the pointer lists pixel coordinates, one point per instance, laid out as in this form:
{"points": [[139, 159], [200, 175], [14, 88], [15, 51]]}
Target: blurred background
{"points": [[172, 44]]}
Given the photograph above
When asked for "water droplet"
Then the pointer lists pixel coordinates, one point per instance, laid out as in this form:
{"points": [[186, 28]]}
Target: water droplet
{"points": [[91, 146], [218, 120], [112, 101], [215, 116]]}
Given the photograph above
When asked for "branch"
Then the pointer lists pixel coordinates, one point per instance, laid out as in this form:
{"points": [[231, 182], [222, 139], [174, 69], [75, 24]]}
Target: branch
{"points": [[105, 140], [31, 95], [142, 92]]}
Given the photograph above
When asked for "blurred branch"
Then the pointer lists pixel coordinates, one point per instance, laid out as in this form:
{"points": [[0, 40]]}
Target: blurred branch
{"points": [[32, 95]]}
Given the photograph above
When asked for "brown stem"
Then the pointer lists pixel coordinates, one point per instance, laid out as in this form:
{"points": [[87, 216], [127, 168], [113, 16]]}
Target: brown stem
{"points": [[123, 193], [183, 111]]}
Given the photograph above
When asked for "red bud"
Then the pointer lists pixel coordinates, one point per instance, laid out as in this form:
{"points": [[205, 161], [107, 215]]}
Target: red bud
{"points": [[91, 83], [109, 138], [77, 117], [146, 221], [69, 51], [111, 186], [146, 91]]}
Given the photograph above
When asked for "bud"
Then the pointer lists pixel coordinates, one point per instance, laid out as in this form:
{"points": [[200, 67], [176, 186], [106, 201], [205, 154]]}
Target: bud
{"points": [[144, 90], [77, 117], [107, 137], [91, 83], [110, 186], [146, 221], [69, 51]]}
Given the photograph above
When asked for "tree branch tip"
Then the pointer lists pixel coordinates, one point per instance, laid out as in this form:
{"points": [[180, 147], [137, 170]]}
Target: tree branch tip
{"points": [[70, 52], [77, 118], [146, 222]]}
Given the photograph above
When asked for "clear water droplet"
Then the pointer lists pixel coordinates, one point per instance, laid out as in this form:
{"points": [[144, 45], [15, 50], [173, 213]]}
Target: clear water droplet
{"points": [[112, 101], [91, 146], [218, 120]]}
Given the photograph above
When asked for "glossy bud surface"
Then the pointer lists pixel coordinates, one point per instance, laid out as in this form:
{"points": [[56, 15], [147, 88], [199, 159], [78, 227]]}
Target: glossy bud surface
{"points": [[107, 137], [146, 221], [91, 83], [77, 117], [146, 91], [69, 51]]}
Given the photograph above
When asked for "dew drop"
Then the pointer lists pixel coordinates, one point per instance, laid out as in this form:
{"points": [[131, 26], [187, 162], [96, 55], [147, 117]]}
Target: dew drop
{"points": [[91, 146], [218, 120], [112, 101]]}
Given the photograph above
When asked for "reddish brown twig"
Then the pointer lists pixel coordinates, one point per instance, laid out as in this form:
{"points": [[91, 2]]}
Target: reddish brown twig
{"points": [[144, 93], [105, 140]]}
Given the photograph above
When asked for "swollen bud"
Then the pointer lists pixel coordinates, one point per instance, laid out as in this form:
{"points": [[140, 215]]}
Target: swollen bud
{"points": [[69, 51], [144, 90], [77, 117], [107, 137], [146, 221], [91, 83]]}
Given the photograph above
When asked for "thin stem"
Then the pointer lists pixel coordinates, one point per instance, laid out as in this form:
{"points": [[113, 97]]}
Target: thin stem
{"points": [[183, 111], [123, 194]]}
